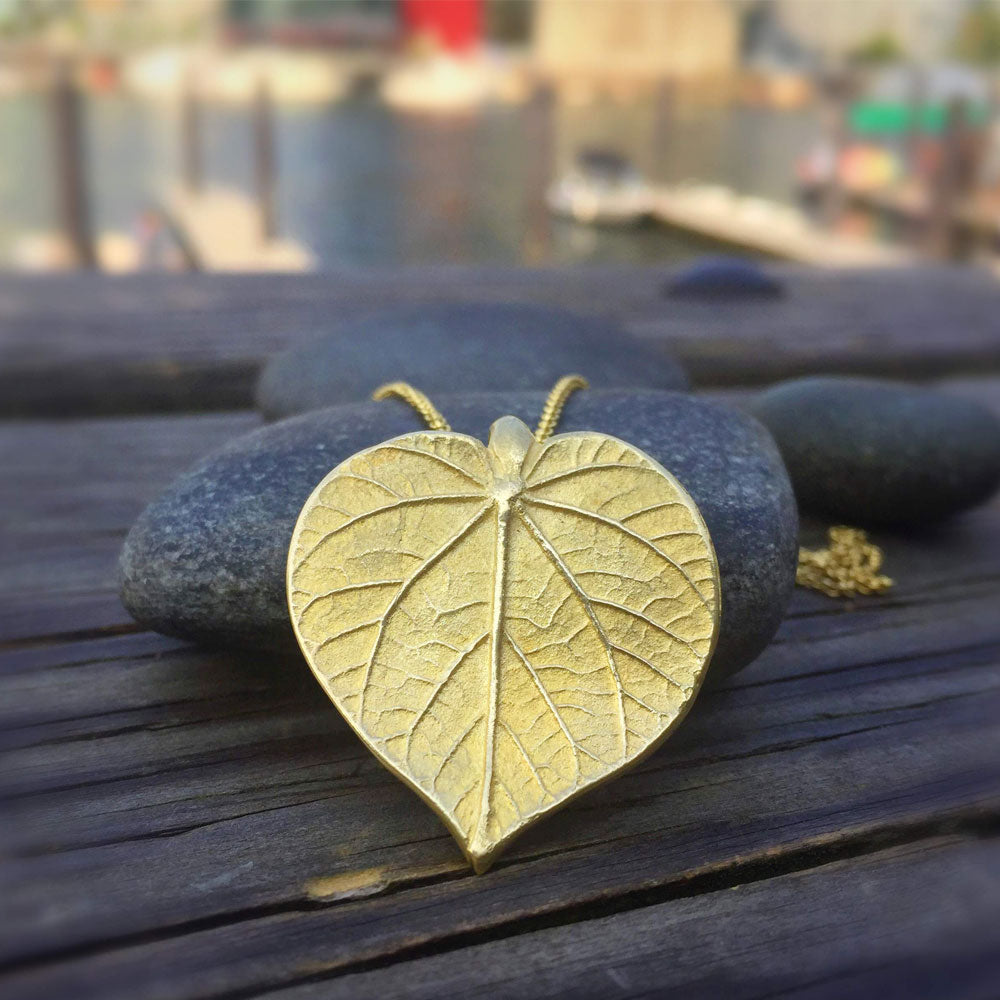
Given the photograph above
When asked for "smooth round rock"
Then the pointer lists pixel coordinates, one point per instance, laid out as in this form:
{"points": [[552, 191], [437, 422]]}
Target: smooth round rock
{"points": [[724, 278], [207, 560], [872, 452], [460, 347]]}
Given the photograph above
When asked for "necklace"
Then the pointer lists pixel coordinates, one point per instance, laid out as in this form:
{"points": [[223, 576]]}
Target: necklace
{"points": [[504, 625]]}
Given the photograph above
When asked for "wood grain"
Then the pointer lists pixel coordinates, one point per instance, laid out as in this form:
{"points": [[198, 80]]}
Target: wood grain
{"points": [[850, 928], [69, 495], [72, 345]]}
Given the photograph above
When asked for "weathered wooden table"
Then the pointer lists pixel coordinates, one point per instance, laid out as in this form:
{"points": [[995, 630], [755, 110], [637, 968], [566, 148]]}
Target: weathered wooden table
{"points": [[180, 823]]}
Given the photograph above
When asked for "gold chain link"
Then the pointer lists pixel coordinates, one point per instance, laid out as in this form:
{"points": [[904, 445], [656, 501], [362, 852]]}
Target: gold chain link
{"points": [[552, 410], [403, 390], [849, 565]]}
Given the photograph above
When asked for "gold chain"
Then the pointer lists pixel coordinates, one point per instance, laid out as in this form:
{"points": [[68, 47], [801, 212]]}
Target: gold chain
{"points": [[849, 565], [551, 411], [430, 413]]}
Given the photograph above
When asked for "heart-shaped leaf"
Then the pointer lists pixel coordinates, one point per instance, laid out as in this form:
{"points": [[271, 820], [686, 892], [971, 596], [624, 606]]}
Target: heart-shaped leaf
{"points": [[504, 626]]}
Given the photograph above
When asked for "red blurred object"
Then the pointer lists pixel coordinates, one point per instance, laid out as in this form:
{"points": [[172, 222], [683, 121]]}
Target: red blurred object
{"points": [[101, 75], [456, 25]]}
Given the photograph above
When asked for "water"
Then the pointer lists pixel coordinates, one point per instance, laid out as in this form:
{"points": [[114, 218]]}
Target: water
{"points": [[362, 185]]}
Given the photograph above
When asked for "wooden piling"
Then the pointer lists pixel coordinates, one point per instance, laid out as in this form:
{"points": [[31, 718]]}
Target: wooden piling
{"points": [[264, 160], [71, 194], [837, 92], [951, 185], [192, 159]]}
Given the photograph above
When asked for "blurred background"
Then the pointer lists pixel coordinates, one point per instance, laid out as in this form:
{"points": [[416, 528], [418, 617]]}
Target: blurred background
{"points": [[308, 134]]}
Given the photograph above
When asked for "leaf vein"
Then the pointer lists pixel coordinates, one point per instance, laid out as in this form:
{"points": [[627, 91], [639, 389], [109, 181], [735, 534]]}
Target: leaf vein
{"points": [[539, 537], [423, 568], [557, 715], [439, 687], [612, 523], [435, 457]]}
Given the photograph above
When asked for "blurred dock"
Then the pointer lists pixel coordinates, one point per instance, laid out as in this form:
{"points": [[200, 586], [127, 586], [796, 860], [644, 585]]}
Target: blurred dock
{"points": [[223, 230], [768, 228]]}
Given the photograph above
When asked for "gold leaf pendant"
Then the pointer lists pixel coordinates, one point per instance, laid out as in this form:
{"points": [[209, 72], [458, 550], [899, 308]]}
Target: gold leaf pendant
{"points": [[504, 625]]}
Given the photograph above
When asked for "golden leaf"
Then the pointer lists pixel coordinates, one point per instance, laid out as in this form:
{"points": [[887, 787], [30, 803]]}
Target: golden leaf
{"points": [[504, 626]]}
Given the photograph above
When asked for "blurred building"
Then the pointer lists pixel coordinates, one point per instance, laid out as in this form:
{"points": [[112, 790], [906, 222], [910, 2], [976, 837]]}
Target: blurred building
{"points": [[308, 23], [644, 41], [455, 26], [835, 29]]}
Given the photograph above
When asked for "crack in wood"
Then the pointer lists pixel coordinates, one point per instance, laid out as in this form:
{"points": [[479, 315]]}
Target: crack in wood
{"points": [[978, 823]]}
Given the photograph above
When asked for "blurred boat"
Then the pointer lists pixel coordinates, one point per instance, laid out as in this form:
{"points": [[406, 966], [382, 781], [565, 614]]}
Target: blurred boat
{"points": [[234, 76], [602, 188], [443, 83]]}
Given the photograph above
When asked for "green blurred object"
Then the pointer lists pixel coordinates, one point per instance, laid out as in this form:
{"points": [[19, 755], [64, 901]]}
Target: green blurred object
{"points": [[895, 117]]}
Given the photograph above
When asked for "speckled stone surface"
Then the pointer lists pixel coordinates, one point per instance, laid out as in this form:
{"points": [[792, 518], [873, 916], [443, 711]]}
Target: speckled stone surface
{"points": [[460, 347], [206, 561], [874, 452], [724, 278]]}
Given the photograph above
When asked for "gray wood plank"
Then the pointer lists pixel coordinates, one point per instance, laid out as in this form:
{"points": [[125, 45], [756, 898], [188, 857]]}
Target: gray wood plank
{"points": [[69, 493], [72, 344], [921, 921]]}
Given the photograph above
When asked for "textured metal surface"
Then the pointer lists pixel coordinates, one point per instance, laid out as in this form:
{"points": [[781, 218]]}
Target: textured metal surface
{"points": [[504, 626]]}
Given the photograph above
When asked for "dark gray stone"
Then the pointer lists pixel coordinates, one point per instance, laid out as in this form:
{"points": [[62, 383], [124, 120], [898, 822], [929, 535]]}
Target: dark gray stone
{"points": [[207, 560], [718, 278], [873, 452], [461, 347]]}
